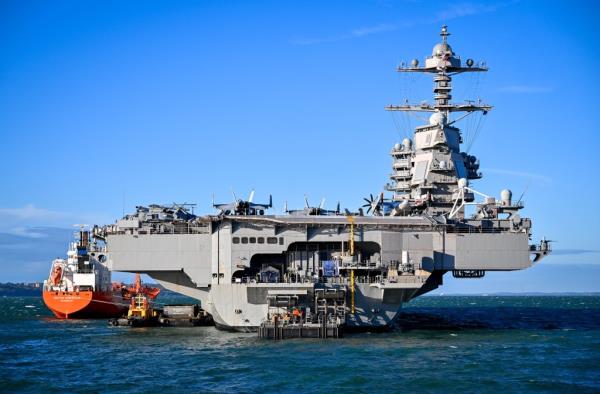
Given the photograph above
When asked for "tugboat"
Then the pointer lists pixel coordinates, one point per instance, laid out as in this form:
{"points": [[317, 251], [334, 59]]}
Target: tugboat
{"points": [[81, 287], [142, 312]]}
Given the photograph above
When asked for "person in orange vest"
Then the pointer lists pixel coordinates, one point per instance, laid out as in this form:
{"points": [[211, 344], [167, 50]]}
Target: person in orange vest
{"points": [[297, 315]]}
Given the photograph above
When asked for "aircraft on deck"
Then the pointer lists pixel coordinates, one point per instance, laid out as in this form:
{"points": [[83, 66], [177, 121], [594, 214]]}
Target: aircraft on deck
{"points": [[243, 207], [308, 210]]}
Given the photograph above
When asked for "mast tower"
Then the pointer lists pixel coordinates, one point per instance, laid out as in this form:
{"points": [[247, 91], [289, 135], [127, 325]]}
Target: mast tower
{"points": [[426, 170]]}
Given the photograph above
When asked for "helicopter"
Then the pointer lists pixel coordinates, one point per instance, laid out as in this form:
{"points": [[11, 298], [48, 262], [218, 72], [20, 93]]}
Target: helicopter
{"points": [[381, 206]]}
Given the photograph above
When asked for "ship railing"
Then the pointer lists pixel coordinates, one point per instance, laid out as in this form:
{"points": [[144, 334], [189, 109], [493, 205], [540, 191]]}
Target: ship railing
{"points": [[337, 279], [47, 286], [246, 279], [474, 230], [544, 247], [405, 279], [161, 228], [286, 279], [50, 287], [368, 264]]}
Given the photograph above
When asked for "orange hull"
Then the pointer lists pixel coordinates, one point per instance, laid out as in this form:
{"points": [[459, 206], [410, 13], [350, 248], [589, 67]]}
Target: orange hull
{"points": [[84, 304]]}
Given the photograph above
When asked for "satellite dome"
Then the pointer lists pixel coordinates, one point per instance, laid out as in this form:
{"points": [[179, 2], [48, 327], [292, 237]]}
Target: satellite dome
{"points": [[437, 118], [506, 196], [397, 146], [442, 49], [462, 182], [407, 143]]}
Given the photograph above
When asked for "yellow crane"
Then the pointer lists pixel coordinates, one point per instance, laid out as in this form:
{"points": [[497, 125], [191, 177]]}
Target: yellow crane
{"points": [[351, 220]]}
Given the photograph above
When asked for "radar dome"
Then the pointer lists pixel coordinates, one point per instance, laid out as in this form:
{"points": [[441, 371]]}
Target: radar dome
{"points": [[462, 183], [442, 49], [506, 196], [397, 146], [407, 143], [437, 118]]}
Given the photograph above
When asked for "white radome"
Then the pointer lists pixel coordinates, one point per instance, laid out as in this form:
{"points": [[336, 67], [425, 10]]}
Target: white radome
{"points": [[437, 118], [506, 195], [441, 49]]}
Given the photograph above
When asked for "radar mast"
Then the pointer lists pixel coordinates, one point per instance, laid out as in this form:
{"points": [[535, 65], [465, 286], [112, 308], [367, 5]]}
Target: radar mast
{"points": [[426, 169]]}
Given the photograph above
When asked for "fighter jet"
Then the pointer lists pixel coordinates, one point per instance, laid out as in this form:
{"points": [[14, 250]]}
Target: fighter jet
{"points": [[243, 207], [308, 210]]}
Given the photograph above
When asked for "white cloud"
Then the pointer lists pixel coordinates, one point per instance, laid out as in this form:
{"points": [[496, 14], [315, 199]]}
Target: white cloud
{"points": [[525, 89], [574, 252], [29, 211], [355, 33], [452, 12], [365, 31], [522, 174], [27, 232], [23, 220], [465, 9]]}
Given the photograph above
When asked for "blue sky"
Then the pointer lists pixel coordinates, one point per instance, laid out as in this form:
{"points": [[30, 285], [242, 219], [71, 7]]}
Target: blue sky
{"points": [[108, 105]]}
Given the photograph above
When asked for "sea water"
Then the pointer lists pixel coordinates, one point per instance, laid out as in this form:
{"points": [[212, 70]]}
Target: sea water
{"points": [[443, 344]]}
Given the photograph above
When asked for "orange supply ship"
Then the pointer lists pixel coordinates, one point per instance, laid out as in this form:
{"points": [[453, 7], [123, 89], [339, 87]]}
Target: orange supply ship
{"points": [[81, 287]]}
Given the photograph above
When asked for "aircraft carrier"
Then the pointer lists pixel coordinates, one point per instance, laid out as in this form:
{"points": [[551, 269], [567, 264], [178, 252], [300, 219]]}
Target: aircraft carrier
{"points": [[351, 269]]}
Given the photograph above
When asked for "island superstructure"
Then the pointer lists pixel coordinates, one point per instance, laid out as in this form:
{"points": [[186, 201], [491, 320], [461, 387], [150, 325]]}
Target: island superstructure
{"points": [[353, 268]]}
